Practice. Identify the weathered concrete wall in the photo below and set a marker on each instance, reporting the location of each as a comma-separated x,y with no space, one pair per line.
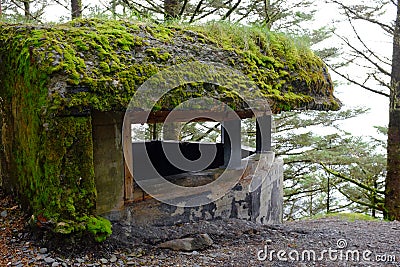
264,205
108,160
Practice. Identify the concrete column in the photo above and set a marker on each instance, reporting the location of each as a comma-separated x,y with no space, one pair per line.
230,136
263,133
108,160
171,130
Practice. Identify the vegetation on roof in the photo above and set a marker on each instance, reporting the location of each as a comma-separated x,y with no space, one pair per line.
113,58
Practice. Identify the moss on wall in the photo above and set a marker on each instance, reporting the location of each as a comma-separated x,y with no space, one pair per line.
49,159
52,76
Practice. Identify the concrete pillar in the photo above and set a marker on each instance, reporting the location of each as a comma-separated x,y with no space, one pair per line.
171,130
263,133
230,136
108,160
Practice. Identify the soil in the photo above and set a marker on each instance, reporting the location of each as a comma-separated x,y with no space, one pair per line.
335,242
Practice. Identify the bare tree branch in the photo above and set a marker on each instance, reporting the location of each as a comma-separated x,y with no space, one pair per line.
28,14
366,47
230,11
208,132
377,207
183,8
363,55
156,8
356,15
212,11
196,11
359,84
303,192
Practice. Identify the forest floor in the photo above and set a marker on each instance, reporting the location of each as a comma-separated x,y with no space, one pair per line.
327,241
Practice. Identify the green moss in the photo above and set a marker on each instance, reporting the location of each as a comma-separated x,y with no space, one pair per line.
161,32
50,156
99,227
275,61
157,54
99,54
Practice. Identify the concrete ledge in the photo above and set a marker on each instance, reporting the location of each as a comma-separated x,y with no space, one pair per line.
263,205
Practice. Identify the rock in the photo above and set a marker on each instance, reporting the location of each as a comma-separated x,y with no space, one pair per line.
39,257
55,264
49,260
268,241
113,259
104,261
43,250
199,242
4,214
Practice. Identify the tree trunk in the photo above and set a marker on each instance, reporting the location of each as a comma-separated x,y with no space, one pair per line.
76,9
114,8
171,9
27,12
392,200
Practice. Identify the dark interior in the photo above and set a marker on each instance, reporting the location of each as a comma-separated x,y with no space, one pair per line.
158,160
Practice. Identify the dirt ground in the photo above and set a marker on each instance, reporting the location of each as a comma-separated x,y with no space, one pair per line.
322,242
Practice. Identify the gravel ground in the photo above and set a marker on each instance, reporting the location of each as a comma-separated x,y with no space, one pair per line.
335,242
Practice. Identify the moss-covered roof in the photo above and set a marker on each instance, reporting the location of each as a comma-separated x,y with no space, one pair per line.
99,64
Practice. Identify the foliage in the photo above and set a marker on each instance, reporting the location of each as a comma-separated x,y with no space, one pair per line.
309,186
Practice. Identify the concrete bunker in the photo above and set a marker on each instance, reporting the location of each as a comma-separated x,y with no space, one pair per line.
65,90
263,204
